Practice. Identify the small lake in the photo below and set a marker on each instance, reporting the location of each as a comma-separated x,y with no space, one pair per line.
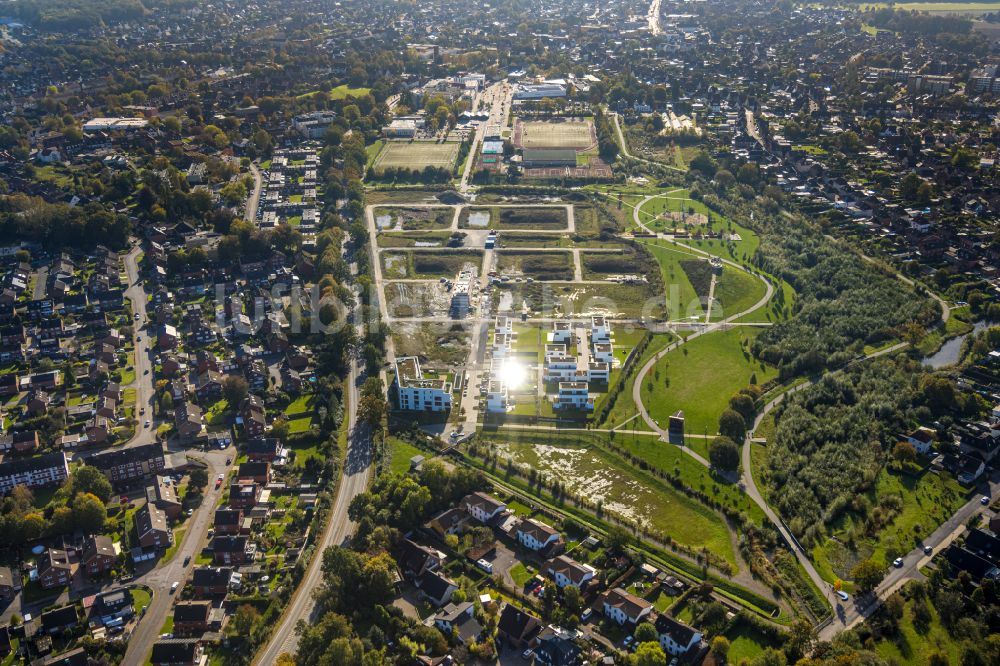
950,350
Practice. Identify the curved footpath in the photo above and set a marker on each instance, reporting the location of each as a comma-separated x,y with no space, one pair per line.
843,617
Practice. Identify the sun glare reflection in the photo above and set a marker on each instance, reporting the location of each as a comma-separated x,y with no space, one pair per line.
513,374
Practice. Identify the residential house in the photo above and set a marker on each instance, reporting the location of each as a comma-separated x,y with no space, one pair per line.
458,620
556,648
567,572
516,627
259,472
252,416
536,535
10,584
162,494
99,555
191,618
921,439
151,528
54,569
414,560
59,620
263,450
676,638
177,652
622,607
436,588
228,521
227,549
244,495
483,507
211,581
450,521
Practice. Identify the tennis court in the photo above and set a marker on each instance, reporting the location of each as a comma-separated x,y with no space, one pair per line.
417,155
575,134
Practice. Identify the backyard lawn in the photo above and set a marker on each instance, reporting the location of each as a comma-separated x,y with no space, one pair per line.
400,452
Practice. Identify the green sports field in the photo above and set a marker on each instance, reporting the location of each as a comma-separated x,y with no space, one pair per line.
416,155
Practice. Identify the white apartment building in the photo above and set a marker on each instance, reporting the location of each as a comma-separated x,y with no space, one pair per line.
561,333
504,326
417,394
574,395
604,352
600,330
497,399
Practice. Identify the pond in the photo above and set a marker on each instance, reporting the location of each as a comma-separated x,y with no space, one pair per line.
950,350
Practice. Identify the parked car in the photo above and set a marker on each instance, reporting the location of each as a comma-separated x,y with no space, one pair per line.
585,615
485,565
843,595
985,500
187,560
928,550
898,563
174,586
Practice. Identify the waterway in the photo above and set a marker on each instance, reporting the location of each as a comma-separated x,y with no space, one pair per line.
952,349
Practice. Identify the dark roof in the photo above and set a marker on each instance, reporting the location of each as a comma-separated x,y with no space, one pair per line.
963,560
59,618
115,599
174,651
253,469
680,632
77,657
229,544
434,585
227,517
124,456
211,576
547,154
268,446
517,624
17,465
556,650
984,544
192,611
413,556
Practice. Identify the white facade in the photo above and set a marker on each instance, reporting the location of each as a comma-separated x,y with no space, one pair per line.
599,372
604,352
560,369
600,330
561,333
414,393
497,398
502,345
504,326
483,507
534,535
574,395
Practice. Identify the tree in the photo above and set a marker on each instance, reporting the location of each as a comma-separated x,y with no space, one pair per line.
646,633
724,454
867,574
720,648
904,452
649,654
198,478
732,425
89,513
744,405
244,620
89,479
234,390
617,539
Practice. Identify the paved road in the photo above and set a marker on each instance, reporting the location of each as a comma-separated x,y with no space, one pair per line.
499,95
849,614
653,17
41,283
353,482
254,200
160,578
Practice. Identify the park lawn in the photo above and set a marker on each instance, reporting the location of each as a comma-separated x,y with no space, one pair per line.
624,407
736,291
588,470
400,452
703,375
345,91
691,473
912,648
739,251
927,501
778,308
682,300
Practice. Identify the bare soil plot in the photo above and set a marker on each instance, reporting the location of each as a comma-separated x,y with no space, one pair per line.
432,342
429,265
536,265
413,219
